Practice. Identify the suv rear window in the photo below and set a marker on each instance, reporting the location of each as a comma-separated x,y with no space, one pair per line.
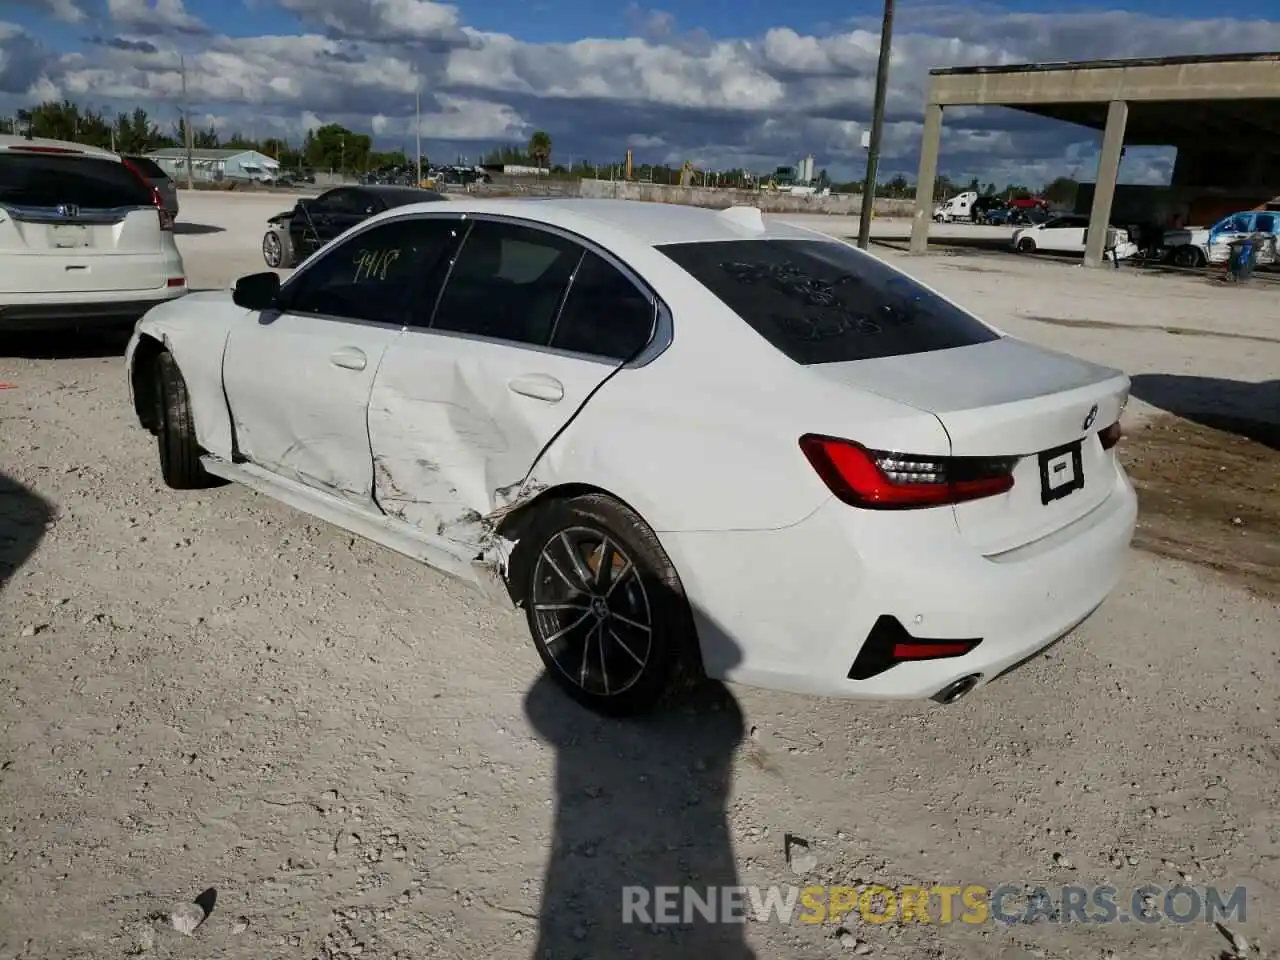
49,180
826,302
149,168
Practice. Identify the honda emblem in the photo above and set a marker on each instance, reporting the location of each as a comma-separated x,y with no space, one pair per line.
1093,415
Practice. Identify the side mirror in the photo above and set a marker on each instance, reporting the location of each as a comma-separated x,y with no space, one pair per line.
257,291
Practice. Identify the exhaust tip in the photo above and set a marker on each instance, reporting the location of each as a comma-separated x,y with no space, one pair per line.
956,689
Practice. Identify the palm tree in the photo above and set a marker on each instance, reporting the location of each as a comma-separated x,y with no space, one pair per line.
540,148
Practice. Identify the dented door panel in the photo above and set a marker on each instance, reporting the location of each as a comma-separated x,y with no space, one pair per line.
456,424
298,390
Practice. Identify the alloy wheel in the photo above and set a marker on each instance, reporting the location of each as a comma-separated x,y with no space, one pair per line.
591,611
271,250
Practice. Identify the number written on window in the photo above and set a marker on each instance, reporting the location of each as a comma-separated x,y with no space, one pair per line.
377,275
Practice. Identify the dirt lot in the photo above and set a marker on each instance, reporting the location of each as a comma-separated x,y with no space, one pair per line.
350,755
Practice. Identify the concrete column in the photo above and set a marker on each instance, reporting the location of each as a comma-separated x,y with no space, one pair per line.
1105,191
930,143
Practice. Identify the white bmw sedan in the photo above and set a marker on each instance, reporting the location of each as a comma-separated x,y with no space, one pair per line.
680,439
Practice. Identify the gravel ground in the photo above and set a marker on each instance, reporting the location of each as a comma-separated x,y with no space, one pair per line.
340,753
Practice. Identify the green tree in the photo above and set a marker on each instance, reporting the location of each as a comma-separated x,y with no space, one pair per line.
1061,192
540,147
334,147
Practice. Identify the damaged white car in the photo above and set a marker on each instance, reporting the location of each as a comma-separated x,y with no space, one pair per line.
675,437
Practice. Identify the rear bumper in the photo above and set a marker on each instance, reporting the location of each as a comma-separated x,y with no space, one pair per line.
52,312
791,609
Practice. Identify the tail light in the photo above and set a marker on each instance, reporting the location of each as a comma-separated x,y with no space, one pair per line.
166,221
889,643
1110,436
878,480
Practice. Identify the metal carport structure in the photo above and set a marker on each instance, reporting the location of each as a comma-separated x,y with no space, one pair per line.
1222,113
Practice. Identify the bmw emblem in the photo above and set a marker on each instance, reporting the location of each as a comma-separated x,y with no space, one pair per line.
1093,415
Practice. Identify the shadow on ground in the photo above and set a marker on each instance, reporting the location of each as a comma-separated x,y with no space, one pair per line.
639,805
67,343
1249,410
24,515
196,229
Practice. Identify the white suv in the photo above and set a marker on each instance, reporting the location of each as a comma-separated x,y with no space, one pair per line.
84,238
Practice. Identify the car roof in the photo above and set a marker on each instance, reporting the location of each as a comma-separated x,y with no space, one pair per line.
652,224
11,142
391,191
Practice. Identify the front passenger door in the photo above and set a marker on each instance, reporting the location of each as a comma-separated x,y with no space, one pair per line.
297,379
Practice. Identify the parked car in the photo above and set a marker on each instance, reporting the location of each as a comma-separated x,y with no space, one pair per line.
880,497
84,237
1066,234
159,180
1197,246
296,234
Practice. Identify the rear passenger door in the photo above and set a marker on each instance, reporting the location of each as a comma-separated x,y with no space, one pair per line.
527,324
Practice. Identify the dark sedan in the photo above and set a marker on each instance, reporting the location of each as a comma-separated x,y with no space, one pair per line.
296,234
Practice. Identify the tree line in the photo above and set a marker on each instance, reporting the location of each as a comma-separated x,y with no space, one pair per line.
334,147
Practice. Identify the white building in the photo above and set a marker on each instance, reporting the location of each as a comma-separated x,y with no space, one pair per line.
231,164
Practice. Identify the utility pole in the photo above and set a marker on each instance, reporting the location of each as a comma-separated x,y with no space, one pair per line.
417,128
186,124
877,128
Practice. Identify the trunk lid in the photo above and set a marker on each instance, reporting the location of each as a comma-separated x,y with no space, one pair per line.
1009,398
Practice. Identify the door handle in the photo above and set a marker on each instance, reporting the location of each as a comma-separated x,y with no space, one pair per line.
349,357
539,386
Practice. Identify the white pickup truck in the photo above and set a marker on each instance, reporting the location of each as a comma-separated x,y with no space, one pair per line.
1197,246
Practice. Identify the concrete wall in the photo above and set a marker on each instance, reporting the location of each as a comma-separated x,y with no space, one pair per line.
716,199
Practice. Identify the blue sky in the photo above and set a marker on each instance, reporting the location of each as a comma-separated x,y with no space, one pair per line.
749,83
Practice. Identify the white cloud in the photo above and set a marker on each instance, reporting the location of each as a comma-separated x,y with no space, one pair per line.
670,96
153,16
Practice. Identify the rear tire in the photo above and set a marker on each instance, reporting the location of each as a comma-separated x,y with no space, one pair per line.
176,436
605,607
1188,257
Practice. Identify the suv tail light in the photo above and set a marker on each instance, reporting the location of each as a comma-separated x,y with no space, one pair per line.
166,221
879,480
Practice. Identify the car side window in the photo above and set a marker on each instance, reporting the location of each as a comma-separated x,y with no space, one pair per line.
605,314
1265,223
344,201
507,283
376,275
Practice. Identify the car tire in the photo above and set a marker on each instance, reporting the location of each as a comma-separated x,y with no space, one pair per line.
180,453
1026,245
1188,257
618,644
277,249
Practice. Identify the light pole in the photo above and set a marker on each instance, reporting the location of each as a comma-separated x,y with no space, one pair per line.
877,128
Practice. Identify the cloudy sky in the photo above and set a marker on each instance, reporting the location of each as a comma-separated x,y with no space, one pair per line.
720,83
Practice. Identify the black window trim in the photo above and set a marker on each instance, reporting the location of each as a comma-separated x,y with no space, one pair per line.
660,338
661,334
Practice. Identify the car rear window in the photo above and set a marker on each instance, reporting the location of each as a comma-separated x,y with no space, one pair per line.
50,180
149,168
826,302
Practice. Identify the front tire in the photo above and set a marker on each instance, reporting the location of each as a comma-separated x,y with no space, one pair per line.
604,605
1026,245
176,436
